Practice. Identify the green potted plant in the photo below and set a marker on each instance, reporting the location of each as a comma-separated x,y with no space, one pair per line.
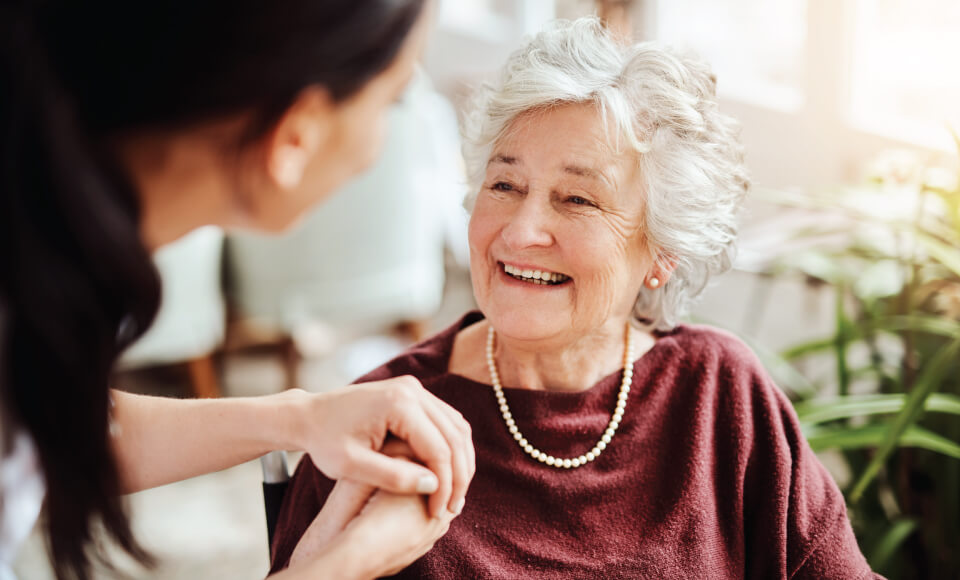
889,250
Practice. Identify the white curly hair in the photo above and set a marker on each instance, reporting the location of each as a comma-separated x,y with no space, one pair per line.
663,105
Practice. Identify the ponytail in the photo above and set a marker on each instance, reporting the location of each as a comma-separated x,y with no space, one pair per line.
73,273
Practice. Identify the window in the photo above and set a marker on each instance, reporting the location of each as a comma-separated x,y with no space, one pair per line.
756,47
501,20
905,73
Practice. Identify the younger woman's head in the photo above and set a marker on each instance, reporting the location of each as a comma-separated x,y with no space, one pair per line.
113,115
247,116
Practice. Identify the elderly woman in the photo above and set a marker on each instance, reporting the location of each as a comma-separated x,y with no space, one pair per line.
611,442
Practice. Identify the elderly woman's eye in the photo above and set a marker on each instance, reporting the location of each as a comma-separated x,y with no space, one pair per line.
577,200
502,186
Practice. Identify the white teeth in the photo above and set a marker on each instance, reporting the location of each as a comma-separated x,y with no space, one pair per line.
536,276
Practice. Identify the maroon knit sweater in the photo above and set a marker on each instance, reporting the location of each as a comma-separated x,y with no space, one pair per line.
708,476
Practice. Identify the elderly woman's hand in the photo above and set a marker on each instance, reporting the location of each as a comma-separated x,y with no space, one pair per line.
388,531
343,432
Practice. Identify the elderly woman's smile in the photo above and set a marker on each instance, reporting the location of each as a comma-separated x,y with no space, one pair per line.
534,276
556,235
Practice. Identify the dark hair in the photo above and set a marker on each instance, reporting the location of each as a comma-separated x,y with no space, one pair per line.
76,283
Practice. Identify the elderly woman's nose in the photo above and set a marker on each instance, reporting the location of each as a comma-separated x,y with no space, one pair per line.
529,225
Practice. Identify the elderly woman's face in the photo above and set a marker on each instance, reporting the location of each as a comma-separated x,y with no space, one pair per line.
557,249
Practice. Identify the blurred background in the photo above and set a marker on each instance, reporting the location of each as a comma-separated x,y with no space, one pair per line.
847,284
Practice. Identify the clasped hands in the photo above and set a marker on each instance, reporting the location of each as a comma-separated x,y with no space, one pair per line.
387,443
396,529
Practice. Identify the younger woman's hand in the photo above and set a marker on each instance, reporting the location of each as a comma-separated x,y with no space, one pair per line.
344,430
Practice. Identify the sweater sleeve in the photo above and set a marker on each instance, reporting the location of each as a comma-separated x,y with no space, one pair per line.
834,554
795,517
820,540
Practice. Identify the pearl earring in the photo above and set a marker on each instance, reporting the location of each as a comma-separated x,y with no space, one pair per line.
654,283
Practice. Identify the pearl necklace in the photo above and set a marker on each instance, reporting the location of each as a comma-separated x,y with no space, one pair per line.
540,456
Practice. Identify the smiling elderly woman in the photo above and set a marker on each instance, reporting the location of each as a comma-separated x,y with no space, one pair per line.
611,442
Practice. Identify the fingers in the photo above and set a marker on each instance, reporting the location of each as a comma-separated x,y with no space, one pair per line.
437,529
430,446
400,528
397,475
437,434
440,437
457,433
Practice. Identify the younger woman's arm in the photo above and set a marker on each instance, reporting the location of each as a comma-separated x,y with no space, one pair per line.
160,440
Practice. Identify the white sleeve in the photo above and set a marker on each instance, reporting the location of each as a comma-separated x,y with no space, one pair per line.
22,490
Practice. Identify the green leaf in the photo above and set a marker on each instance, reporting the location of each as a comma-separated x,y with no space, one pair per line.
890,542
807,348
842,340
941,252
879,280
823,410
928,382
913,322
870,436
919,323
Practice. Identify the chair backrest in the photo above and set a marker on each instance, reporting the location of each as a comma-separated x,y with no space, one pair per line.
276,477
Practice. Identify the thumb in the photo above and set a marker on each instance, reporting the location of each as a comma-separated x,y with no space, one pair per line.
393,474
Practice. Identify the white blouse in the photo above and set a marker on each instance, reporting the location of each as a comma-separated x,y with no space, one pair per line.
22,490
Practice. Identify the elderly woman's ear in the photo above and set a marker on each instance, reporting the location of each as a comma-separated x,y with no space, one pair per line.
660,272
